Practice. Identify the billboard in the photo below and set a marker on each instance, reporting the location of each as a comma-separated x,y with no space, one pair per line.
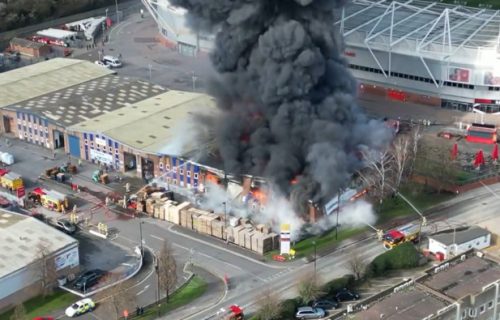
285,238
491,78
456,74
67,259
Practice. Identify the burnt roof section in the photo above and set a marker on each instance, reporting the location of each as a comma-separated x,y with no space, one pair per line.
460,236
88,100
411,304
464,278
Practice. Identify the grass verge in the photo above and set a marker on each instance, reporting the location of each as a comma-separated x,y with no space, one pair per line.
40,306
421,196
194,289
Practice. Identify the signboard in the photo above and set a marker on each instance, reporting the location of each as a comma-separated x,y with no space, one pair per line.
101,156
491,78
456,74
67,259
101,142
285,238
21,192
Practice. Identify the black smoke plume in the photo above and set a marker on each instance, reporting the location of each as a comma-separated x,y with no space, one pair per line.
286,95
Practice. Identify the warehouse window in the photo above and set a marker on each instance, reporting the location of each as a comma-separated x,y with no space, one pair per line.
188,174
490,304
181,171
167,167
482,309
116,145
196,175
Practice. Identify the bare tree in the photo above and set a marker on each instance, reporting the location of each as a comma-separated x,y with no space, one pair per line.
19,313
47,269
269,306
378,173
120,298
357,265
309,289
402,152
167,269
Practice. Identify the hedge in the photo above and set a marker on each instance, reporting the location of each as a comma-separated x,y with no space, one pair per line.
332,287
404,256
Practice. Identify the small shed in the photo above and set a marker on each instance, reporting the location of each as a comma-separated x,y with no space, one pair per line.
456,241
29,48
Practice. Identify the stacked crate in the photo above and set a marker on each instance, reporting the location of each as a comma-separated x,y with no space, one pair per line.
236,234
150,206
218,229
263,243
175,212
249,233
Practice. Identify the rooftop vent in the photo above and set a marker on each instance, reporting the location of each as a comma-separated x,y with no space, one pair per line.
166,117
144,111
152,137
121,114
166,127
139,141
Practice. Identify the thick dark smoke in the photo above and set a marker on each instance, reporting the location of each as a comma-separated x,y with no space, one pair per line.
287,97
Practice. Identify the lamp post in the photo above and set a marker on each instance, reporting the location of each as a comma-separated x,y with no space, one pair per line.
140,231
194,78
157,268
314,244
338,211
117,15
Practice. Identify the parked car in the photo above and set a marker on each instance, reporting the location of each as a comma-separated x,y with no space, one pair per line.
65,226
80,307
111,61
325,304
88,279
309,313
102,64
346,295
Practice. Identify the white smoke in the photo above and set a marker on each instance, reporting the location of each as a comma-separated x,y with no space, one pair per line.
352,214
184,134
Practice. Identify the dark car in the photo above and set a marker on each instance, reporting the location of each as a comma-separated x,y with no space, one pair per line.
325,304
88,279
346,295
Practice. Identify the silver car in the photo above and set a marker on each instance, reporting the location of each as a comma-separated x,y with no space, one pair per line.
309,313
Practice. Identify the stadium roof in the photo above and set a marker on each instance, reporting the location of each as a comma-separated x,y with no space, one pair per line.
21,239
88,100
149,125
429,24
46,77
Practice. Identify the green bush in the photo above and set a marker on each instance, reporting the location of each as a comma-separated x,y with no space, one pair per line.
404,256
289,307
335,285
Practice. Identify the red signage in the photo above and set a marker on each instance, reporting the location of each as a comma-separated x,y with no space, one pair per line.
350,53
21,192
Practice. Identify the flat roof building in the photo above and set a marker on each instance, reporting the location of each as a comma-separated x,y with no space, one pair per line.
24,241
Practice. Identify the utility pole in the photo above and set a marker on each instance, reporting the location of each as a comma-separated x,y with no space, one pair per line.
117,15
194,80
142,248
338,211
157,267
315,258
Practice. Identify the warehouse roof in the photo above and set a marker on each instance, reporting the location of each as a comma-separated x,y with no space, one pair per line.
150,124
460,236
464,278
422,23
405,305
21,239
45,77
88,100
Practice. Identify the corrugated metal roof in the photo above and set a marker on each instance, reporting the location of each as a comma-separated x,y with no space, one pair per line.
149,125
20,240
46,77
460,236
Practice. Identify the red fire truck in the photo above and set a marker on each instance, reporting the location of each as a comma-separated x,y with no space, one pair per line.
482,133
49,41
233,313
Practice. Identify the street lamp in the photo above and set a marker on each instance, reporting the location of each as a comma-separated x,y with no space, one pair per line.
142,248
194,78
338,211
117,15
157,268
314,244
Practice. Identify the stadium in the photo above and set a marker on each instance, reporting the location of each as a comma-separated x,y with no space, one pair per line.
411,51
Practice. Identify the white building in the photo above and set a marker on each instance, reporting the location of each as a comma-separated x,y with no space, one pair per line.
23,239
457,241
424,52
174,30
417,51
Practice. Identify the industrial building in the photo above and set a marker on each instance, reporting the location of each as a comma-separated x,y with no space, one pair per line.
456,241
410,51
26,242
465,287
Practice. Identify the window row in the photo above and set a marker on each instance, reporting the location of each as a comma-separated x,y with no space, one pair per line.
410,77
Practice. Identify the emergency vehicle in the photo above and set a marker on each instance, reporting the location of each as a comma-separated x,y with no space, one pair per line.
11,180
233,313
50,199
395,237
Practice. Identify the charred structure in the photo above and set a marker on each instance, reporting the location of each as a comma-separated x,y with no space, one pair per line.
287,98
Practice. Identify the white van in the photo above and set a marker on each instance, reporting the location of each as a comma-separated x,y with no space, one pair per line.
112,61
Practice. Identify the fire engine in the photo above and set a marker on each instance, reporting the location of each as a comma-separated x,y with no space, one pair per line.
49,41
234,313
395,237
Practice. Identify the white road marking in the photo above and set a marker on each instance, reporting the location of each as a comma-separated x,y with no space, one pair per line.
490,190
143,290
156,237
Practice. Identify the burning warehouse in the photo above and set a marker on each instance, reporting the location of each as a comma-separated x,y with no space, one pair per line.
286,98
